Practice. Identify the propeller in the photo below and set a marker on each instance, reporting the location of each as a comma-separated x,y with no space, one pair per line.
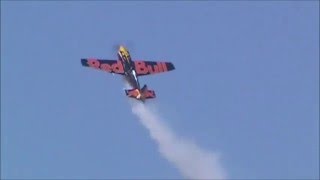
115,47
127,44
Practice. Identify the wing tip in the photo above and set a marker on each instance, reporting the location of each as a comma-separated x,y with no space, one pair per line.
171,66
84,62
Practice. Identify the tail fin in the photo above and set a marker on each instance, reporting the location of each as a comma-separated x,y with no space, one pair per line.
144,88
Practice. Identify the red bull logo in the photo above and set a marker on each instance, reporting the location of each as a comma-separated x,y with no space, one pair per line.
143,68
109,67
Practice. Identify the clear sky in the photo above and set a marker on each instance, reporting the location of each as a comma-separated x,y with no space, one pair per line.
246,86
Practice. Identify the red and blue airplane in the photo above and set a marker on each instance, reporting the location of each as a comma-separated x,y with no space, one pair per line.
131,70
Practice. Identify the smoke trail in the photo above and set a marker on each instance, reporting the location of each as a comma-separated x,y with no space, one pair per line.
192,161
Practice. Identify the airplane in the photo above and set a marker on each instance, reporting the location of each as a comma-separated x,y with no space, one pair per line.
131,70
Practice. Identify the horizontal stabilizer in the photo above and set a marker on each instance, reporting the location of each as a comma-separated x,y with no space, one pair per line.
143,94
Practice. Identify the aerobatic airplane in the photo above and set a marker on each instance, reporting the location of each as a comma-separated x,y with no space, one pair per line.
131,70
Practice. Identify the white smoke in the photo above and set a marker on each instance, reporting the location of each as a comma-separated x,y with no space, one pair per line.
192,161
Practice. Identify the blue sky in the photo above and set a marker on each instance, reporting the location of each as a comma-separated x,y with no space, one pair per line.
246,85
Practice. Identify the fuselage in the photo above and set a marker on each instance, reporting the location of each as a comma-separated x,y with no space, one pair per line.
129,68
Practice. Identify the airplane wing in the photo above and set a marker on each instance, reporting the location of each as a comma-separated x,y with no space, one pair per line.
111,66
152,67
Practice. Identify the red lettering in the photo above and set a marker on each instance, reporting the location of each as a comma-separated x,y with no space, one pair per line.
160,66
164,65
93,63
117,67
106,67
141,67
155,67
